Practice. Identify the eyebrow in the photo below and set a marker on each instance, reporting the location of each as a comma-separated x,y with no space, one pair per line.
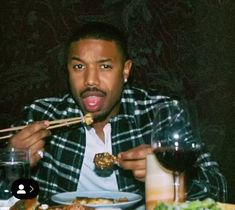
99,61
76,58
104,60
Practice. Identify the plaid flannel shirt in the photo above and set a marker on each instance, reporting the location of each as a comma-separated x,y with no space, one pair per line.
60,168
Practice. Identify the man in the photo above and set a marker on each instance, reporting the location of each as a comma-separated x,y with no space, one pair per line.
98,68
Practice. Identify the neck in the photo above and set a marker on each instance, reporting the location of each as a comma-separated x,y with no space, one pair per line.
99,125
99,129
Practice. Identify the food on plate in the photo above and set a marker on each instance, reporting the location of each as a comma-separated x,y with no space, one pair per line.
33,204
105,160
88,119
207,204
86,200
73,206
28,204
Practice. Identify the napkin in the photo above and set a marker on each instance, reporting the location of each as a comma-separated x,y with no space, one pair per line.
6,204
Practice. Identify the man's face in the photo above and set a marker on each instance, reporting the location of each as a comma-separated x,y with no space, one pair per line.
96,74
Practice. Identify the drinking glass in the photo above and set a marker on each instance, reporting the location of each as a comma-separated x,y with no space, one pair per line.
174,143
14,164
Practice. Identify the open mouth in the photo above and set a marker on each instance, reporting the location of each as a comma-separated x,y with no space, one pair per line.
93,99
93,103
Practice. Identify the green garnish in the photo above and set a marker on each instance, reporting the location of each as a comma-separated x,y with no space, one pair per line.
207,204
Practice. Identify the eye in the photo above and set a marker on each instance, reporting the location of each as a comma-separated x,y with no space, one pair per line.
106,66
79,66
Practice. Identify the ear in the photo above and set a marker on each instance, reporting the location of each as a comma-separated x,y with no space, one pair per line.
127,69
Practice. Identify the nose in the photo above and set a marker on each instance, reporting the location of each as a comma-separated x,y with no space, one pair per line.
92,77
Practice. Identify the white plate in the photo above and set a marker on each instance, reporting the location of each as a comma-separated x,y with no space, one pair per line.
68,197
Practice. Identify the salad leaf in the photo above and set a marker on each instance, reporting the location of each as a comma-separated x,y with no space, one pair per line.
207,204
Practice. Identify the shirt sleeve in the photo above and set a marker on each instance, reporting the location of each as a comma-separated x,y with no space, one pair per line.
207,181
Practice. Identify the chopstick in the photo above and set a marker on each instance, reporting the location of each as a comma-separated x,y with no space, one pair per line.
52,124
6,137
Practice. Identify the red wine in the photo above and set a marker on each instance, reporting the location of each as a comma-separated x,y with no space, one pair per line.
176,160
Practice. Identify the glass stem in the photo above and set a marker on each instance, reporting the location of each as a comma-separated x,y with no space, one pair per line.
176,179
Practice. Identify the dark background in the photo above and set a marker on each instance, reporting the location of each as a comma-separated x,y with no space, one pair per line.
182,47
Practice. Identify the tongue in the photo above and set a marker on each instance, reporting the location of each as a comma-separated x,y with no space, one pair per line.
93,103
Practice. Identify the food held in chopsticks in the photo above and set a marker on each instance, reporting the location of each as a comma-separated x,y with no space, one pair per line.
87,119
105,160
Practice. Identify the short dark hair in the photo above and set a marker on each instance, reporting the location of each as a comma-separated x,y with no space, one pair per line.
103,31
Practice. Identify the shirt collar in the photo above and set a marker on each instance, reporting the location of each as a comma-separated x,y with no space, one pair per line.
127,104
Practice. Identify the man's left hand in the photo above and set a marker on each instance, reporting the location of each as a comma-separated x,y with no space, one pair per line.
135,160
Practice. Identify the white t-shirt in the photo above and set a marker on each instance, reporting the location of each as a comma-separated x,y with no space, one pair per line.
90,180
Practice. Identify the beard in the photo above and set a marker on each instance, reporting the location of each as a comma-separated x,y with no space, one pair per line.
100,117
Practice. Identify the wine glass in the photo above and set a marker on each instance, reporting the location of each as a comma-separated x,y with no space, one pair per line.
173,141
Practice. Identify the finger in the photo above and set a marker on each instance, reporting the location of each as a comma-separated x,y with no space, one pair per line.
133,164
34,159
142,146
19,142
31,128
35,155
38,136
39,145
139,174
136,153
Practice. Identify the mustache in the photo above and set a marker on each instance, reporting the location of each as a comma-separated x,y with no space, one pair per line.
89,90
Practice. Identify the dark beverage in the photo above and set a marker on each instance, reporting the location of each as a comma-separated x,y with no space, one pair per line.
9,172
176,160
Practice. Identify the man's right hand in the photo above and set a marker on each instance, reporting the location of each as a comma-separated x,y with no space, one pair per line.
32,138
